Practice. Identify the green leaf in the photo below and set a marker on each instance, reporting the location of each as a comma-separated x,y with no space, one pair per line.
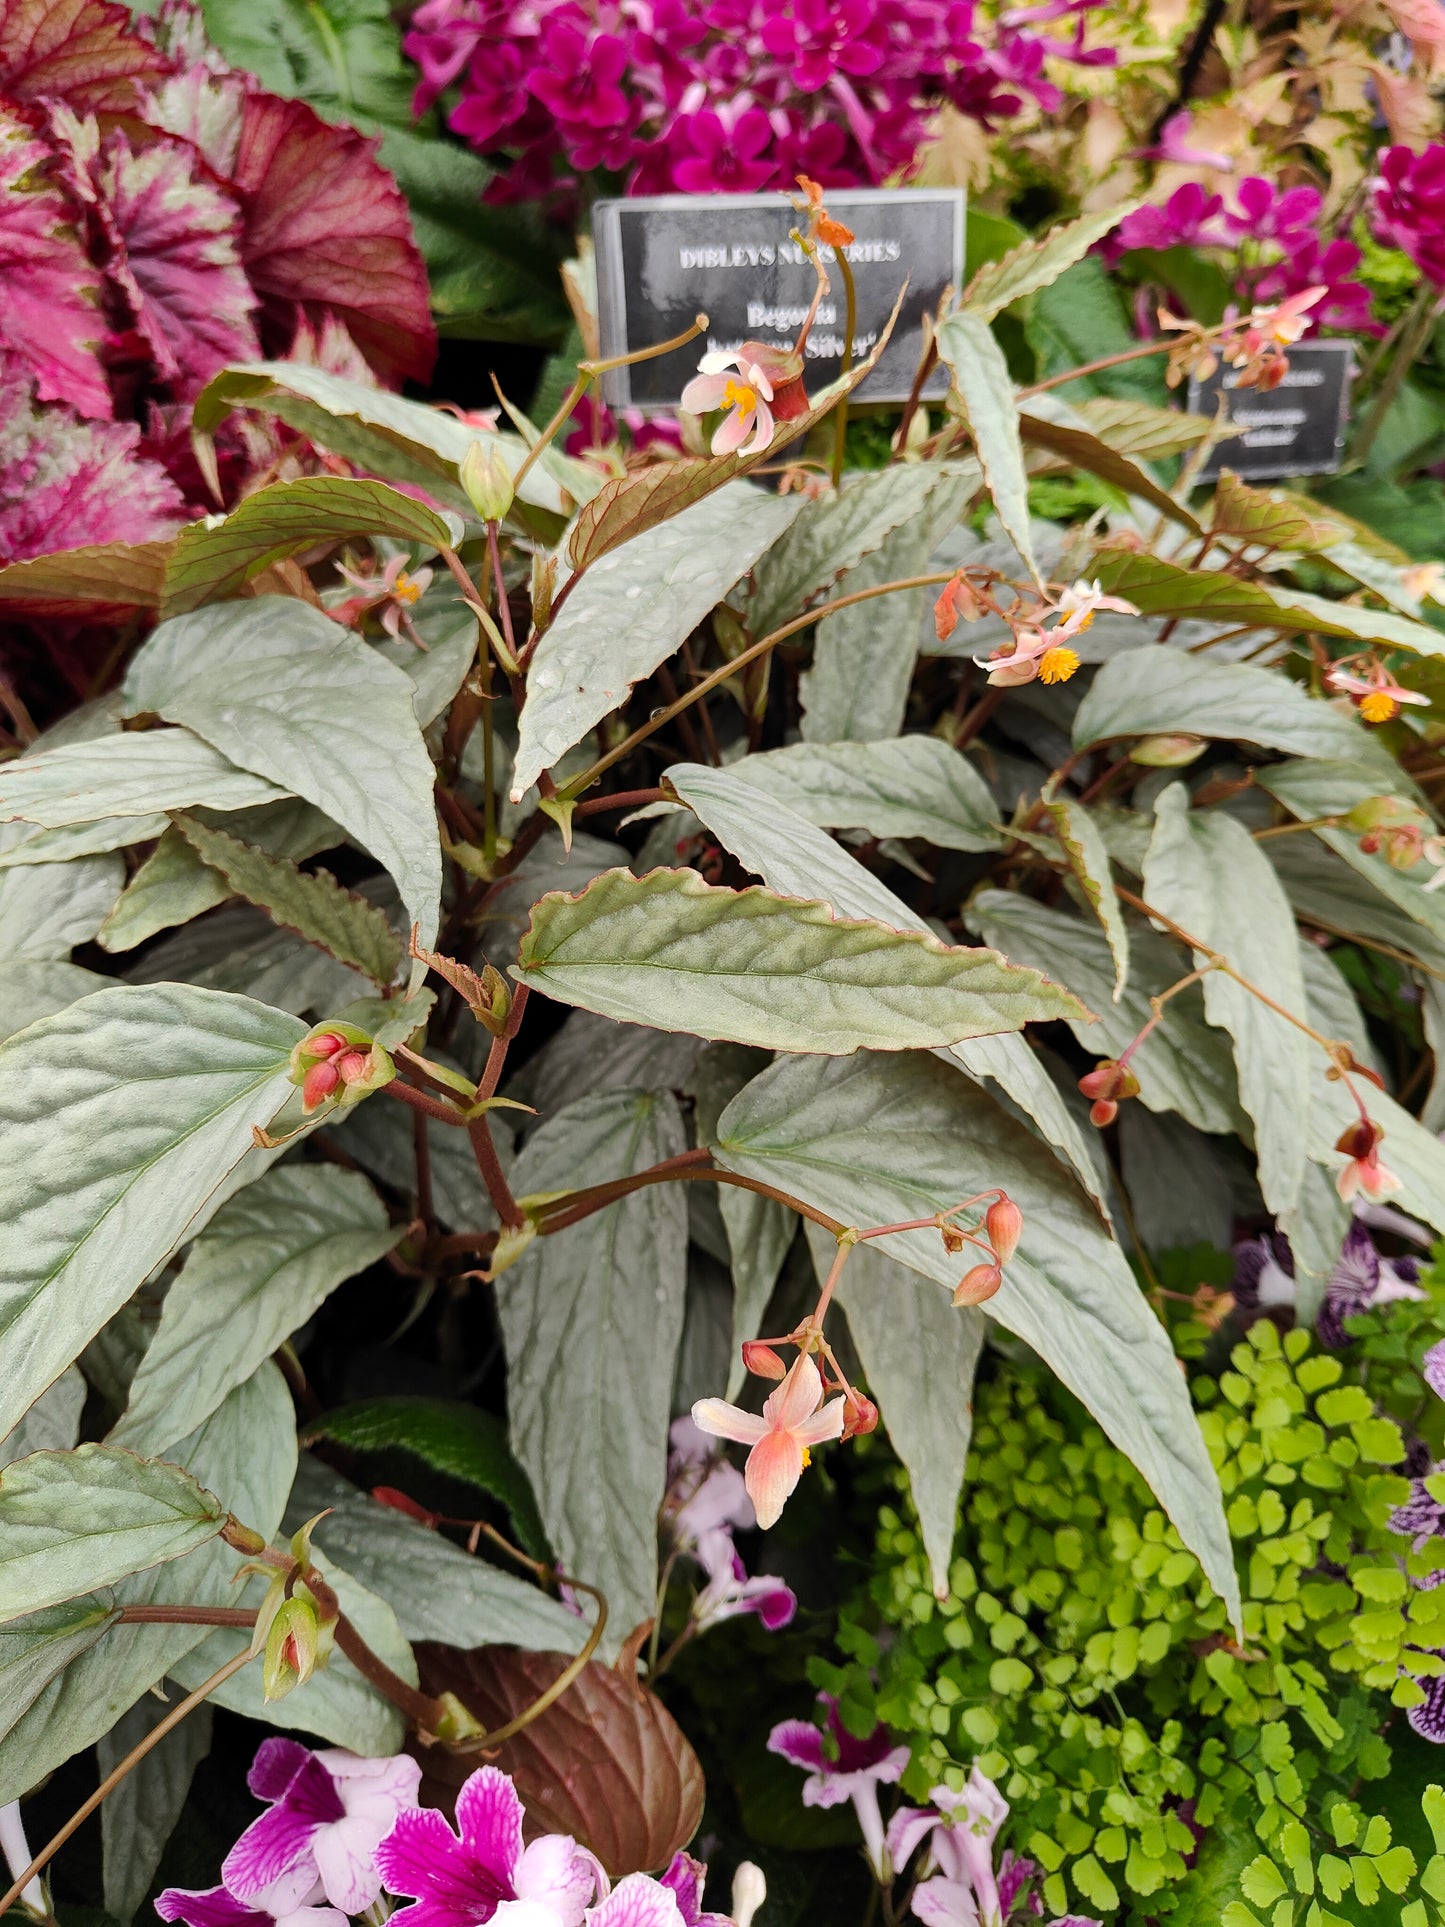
592,1318
214,559
436,1590
1035,264
460,1441
1263,1882
140,1815
1080,449
875,1140
379,431
281,689
1206,871
1154,691
312,903
48,908
919,1357
1162,588
1310,786
34,1651
1088,857
53,1422
1399,887
967,348
72,1521
1184,1065
1139,429
797,859
630,612
1327,892
122,1114
90,584
1080,318
1269,516
863,657
264,1264
1415,1155
669,950
136,774
343,57
246,1455
831,535
911,786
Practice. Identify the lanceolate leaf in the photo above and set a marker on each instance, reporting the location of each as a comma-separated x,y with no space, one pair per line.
139,1816
312,903
592,1318
35,1650
212,560
48,908
756,968
1139,429
980,374
876,1140
264,1264
1206,871
1082,450
53,1422
1145,692
1185,1064
911,786
632,610
35,989
795,857
919,1355
246,1455
459,1441
1088,858
121,1115
282,690
1034,264
97,584
72,1521
1270,517
136,774
170,887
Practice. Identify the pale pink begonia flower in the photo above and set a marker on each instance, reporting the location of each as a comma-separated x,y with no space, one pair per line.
392,594
728,381
793,1419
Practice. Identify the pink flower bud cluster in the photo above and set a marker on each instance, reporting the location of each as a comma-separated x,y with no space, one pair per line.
710,96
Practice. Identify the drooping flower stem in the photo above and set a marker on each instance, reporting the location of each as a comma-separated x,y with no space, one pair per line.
119,1772
850,312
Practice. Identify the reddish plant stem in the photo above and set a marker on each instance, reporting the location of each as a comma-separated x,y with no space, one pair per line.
425,1713
239,1616
421,1147
620,800
422,1101
572,1210
493,1176
497,1055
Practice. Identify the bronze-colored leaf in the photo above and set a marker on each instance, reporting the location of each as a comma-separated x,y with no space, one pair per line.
1096,457
96,584
606,1762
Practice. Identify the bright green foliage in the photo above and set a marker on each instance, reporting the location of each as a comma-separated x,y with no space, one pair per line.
1082,1662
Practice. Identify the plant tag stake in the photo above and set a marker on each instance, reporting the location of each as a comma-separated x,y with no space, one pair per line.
663,259
1295,429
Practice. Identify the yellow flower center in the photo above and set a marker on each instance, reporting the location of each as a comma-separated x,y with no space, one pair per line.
1080,622
1377,707
406,590
738,395
807,1458
1057,665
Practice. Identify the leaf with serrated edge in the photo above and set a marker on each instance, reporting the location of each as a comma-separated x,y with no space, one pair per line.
967,348
1035,264
1139,429
628,505
135,774
1184,1065
264,1264
876,1140
312,903
1206,871
122,1114
436,1590
1088,858
284,691
592,1318
140,1814
832,535
1269,516
246,1455
632,610
213,560
48,908
1080,449
72,1521
453,1438
1154,691
919,1354
783,973
911,786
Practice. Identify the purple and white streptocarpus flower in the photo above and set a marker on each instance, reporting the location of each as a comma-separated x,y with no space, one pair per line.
217,1907
482,1872
1264,1280
684,1881
329,1811
961,1888
706,1502
841,1768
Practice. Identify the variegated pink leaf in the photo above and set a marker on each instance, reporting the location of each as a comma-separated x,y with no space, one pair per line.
49,319
85,52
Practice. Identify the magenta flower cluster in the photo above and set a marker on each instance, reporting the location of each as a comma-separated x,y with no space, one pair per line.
707,96
1410,206
1274,240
